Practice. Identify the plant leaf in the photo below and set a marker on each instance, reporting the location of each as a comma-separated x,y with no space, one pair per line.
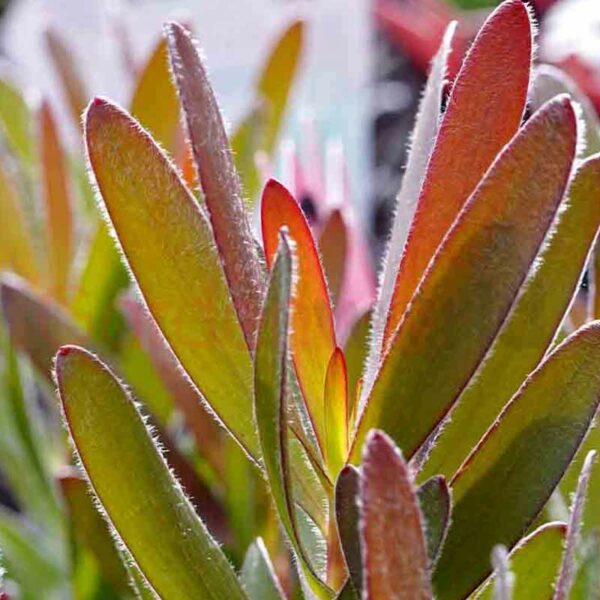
313,335
395,562
426,127
258,576
36,326
271,397
155,103
277,77
168,245
68,73
443,339
566,575
434,500
484,112
16,122
509,476
531,326
57,204
534,563
16,243
92,530
333,246
144,503
336,413
219,180
347,519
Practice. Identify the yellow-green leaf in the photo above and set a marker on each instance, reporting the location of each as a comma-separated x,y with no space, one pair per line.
168,244
132,482
534,563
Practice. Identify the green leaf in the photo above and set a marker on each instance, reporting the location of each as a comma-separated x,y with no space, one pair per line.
479,269
271,398
531,325
258,576
15,117
168,244
132,482
92,530
568,567
219,180
434,500
534,563
505,482
392,536
347,519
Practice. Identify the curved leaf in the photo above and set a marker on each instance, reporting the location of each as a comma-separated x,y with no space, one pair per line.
531,325
479,269
336,413
435,502
219,180
169,247
509,476
57,204
313,335
131,479
258,576
484,111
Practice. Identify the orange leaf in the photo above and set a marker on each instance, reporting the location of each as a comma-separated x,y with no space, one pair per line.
313,335
484,111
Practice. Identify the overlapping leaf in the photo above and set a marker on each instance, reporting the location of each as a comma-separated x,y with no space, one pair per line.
510,475
169,247
484,111
479,269
219,180
313,335
129,476
531,326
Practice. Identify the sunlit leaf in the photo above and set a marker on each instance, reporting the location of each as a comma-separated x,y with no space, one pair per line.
131,479
509,476
479,269
392,534
16,122
169,247
483,113
333,246
16,243
531,325
534,563
336,412
313,335
426,127
219,180
57,204
154,103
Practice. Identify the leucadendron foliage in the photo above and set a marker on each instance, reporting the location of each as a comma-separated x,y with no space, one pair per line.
238,426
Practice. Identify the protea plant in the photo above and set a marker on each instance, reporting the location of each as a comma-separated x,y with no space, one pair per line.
441,467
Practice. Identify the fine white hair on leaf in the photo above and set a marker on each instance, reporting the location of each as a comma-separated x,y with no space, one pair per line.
422,140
